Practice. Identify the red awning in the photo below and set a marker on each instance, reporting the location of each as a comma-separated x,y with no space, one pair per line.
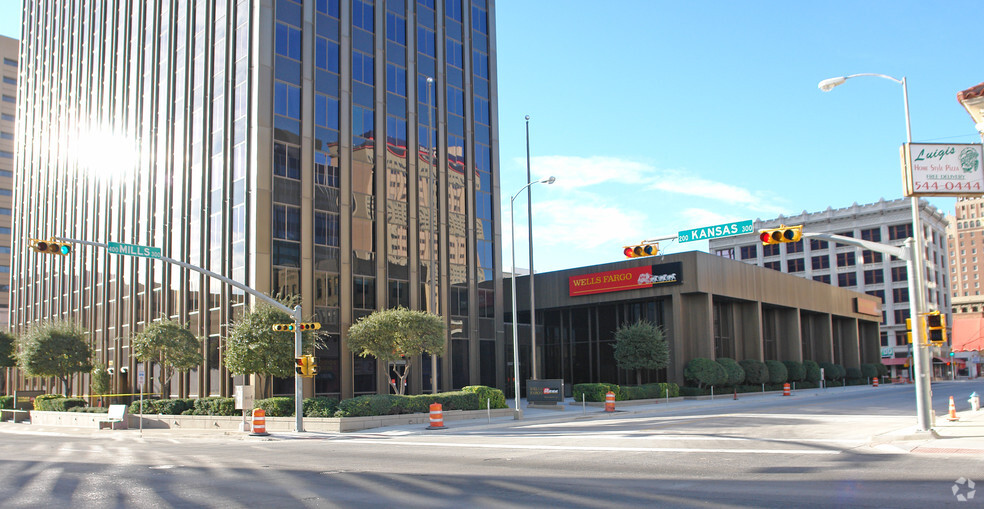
968,335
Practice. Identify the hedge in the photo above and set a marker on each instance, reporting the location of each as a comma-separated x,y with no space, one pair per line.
214,406
595,392
89,409
391,404
854,374
491,396
176,406
277,406
869,371
6,402
320,406
57,403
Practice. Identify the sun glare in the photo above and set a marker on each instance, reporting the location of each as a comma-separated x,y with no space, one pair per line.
104,154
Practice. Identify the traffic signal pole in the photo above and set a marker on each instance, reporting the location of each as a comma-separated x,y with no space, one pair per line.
920,348
296,313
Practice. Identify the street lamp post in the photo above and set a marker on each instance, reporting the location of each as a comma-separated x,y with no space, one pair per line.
917,283
515,321
529,217
431,228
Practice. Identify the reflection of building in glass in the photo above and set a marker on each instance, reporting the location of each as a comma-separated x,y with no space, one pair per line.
279,143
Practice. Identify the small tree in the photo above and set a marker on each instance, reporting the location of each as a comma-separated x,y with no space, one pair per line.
795,370
812,371
640,346
253,347
55,349
7,357
99,381
736,375
172,346
397,335
705,372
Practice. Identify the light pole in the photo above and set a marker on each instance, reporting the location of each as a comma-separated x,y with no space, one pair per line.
917,283
515,318
529,217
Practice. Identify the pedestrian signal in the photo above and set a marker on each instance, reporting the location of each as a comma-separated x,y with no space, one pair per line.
936,325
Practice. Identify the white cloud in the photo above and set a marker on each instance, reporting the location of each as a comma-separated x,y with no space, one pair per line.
585,225
701,217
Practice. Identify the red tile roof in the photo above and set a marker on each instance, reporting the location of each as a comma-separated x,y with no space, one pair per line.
971,93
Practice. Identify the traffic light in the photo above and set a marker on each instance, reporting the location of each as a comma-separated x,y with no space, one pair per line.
908,329
283,327
51,246
936,325
782,234
311,326
300,365
641,250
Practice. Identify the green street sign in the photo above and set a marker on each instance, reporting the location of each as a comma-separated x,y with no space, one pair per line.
713,232
133,250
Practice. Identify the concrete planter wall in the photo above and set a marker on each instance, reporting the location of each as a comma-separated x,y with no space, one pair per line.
273,424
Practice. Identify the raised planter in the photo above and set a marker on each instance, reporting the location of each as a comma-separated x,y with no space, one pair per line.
273,424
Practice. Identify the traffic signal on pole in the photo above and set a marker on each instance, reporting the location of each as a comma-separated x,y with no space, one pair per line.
300,365
283,327
312,365
908,329
936,325
640,250
782,234
311,326
51,246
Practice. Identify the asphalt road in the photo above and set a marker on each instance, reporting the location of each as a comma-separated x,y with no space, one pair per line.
811,450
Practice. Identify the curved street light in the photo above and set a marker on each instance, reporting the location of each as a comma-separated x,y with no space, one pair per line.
917,284
515,321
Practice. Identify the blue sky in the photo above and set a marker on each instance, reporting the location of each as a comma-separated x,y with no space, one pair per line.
661,116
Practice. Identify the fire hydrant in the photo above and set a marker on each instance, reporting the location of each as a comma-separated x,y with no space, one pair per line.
975,401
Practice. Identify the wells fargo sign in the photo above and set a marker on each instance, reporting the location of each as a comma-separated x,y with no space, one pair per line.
629,278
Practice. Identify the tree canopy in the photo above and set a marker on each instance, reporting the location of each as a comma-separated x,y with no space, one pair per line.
253,347
395,335
172,346
55,349
7,359
641,345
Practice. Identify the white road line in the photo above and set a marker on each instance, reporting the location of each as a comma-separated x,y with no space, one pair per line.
586,448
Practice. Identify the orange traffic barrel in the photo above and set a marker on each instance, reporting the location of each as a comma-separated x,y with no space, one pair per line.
785,389
436,416
876,381
259,423
610,401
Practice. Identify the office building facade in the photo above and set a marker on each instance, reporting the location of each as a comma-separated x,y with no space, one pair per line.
887,222
8,115
296,147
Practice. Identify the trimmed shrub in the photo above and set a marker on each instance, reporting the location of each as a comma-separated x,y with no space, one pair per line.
176,406
882,369
280,406
755,371
736,375
649,391
58,403
777,372
795,372
812,371
853,374
833,371
594,392
456,400
694,391
215,406
6,402
320,406
868,371
496,398
705,372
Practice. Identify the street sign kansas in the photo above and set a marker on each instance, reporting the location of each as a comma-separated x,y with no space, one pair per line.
133,250
713,232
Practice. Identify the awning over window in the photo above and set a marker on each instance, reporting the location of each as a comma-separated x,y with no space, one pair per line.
967,335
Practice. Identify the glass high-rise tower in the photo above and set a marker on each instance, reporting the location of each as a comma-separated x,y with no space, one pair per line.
295,146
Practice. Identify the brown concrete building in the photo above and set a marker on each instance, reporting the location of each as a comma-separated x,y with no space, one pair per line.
8,109
709,306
